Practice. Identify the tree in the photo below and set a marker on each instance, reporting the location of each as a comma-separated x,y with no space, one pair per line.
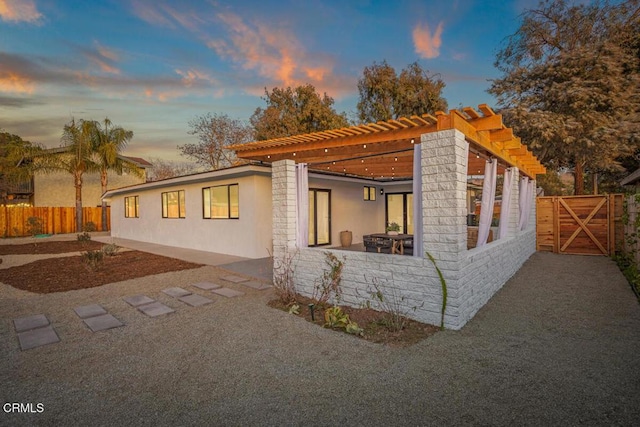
165,169
570,84
215,132
15,168
294,111
74,157
107,141
385,95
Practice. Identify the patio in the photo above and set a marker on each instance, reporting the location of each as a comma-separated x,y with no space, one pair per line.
434,156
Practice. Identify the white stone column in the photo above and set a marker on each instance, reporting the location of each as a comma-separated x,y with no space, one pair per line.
444,194
283,189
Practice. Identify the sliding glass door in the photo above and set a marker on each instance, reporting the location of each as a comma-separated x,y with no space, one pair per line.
319,217
400,211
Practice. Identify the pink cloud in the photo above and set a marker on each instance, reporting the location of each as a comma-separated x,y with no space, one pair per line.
16,83
275,54
104,58
191,77
19,11
427,45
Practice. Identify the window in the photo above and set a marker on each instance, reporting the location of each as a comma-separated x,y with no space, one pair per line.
319,217
221,202
370,193
131,207
400,210
173,205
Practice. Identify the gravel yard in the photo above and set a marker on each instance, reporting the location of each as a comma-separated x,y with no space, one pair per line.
559,344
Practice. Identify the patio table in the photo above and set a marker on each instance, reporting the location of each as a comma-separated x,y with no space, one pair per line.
397,246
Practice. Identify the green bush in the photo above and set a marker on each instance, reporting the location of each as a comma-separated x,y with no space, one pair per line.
110,250
34,226
93,259
84,237
89,227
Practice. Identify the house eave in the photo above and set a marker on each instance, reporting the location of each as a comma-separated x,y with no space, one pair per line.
233,172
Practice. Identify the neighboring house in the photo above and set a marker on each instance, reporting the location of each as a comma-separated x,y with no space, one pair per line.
55,189
412,171
632,180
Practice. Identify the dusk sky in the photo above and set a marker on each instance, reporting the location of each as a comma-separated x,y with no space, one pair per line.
151,66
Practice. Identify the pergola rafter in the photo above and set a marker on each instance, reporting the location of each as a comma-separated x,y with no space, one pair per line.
384,150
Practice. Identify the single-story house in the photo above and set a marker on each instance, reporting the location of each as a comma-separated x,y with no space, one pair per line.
298,193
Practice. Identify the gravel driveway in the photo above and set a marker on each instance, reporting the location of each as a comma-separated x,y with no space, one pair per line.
558,345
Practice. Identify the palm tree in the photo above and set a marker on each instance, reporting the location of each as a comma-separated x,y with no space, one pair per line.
74,157
107,143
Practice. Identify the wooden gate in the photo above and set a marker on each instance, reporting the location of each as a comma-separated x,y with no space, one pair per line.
586,225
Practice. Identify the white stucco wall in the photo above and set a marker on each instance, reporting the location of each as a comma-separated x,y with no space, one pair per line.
56,189
249,236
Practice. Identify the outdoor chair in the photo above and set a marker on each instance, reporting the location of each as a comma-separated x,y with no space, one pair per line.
377,244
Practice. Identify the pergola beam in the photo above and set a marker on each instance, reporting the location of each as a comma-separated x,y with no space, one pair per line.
377,143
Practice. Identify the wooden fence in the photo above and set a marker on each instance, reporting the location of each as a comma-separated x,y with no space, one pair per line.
587,225
58,220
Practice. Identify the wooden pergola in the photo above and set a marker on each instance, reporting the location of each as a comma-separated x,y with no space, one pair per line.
383,151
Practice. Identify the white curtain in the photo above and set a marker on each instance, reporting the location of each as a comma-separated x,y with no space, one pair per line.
488,198
505,208
526,194
302,207
418,250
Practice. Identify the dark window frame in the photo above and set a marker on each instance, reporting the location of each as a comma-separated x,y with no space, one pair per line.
370,191
315,215
229,214
405,213
182,209
136,207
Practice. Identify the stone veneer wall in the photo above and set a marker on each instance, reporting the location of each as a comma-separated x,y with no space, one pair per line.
472,276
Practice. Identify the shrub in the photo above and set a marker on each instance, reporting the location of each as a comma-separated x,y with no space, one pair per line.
34,226
84,237
330,282
93,259
110,250
334,317
283,278
89,227
388,300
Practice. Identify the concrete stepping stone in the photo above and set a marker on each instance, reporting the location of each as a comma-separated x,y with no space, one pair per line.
226,292
102,322
138,300
256,285
234,279
87,311
207,286
155,309
195,300
176,292
37,337
30,322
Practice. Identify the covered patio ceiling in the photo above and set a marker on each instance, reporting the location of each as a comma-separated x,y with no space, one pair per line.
383,151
